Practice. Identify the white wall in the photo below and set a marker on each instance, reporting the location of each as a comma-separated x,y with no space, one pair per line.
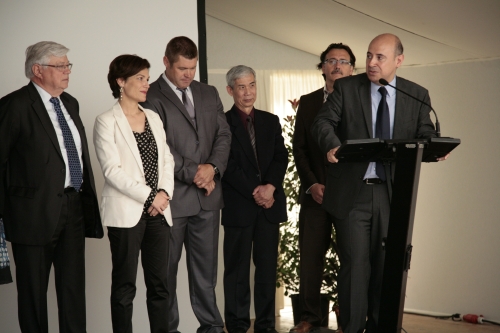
228,46
455,265
95,32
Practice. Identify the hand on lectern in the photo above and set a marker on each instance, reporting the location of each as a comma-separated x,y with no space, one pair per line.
444,158
330,156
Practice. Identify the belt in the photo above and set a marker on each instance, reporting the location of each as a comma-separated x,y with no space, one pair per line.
373,181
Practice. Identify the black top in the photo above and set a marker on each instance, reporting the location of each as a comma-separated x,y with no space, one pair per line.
149,156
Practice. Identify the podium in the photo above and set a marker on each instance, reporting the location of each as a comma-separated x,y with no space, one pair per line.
407,156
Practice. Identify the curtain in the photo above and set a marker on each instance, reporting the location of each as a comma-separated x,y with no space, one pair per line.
276,87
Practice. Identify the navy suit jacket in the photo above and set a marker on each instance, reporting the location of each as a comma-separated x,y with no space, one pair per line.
242,173
309,159
32,169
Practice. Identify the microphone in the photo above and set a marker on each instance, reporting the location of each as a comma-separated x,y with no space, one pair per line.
438,126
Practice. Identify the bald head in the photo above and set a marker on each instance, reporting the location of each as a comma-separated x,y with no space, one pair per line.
384,57
390,39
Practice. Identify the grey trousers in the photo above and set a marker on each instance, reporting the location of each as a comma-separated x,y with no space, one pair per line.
200,236
359,241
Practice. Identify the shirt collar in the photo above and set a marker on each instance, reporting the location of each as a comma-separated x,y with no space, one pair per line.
391,92
43,93
243,115
173,86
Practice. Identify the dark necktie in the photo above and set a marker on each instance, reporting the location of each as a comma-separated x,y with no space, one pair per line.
189,106
251,133
75,169
382,127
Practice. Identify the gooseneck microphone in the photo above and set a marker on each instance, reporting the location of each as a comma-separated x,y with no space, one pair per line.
438,127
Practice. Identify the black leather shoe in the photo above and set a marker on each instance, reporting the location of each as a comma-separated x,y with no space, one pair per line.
238,330
267,330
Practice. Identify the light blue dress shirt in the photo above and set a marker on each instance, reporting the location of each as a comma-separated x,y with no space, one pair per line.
371,172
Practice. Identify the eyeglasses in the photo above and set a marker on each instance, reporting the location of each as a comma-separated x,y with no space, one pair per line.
333,62
60,68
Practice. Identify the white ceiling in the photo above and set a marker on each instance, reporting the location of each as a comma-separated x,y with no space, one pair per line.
432,31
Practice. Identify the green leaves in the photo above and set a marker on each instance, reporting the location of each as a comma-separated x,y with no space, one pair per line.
288,270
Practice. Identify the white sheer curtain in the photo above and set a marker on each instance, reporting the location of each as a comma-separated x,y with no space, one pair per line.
276,87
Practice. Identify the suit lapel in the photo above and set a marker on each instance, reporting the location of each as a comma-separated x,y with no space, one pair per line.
197,101
79,126
366,104
43,115
261,133
241,135
400,113
127,133
172,97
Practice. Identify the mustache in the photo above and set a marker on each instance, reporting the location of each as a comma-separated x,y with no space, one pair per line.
336,71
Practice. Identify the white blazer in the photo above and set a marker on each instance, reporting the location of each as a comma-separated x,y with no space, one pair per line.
125,190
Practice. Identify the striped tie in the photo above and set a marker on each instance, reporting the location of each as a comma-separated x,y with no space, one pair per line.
251,132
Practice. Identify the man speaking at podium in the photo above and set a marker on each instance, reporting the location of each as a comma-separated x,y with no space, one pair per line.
356,194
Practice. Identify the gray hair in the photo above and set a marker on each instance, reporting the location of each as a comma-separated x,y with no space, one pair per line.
40,53
236,72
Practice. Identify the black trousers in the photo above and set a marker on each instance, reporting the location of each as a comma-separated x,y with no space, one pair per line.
66,252
150,237
315,233
361,254
260,241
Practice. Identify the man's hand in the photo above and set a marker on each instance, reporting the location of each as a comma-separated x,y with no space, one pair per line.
268,204
444,158
263,195
204,175
317,191
210,187
160,203
330,156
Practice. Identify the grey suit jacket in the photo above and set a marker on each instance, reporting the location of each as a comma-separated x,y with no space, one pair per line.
208,142
348,111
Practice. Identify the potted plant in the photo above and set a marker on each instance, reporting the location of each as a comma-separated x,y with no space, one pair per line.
289,256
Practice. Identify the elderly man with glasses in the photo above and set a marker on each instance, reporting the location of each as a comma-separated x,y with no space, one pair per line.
48,200
315,225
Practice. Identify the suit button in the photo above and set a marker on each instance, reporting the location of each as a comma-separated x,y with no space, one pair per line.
257,175
63,170
59,195
197,142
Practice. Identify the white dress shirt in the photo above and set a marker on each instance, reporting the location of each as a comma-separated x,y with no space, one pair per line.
74,131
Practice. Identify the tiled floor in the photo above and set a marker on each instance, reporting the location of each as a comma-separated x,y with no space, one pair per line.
411,324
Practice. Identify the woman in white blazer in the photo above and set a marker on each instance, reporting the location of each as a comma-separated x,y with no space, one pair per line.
138,171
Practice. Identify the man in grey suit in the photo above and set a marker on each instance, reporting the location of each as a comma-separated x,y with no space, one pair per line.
199,139
356,194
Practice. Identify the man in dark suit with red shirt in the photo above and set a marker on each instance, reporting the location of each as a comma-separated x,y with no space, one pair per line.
315,225
255,204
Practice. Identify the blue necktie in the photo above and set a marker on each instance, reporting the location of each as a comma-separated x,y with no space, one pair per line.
382,127
75,169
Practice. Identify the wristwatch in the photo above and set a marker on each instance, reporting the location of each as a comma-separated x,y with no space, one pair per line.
216,169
